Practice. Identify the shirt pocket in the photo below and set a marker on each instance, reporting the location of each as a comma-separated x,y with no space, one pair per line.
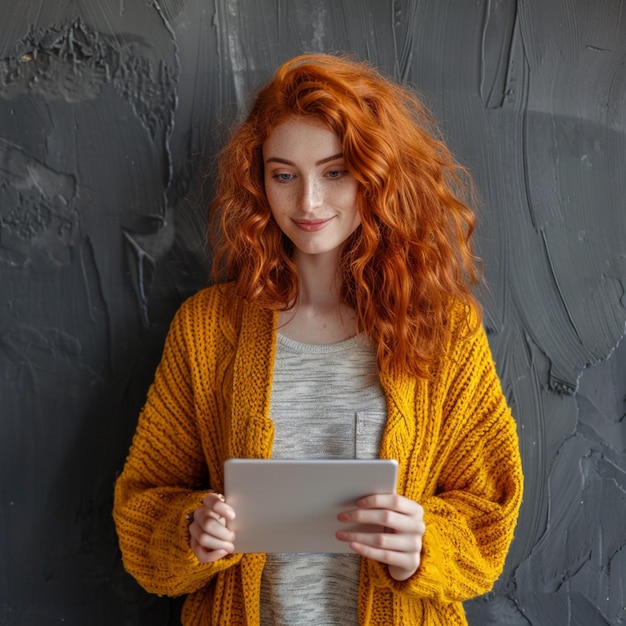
369,426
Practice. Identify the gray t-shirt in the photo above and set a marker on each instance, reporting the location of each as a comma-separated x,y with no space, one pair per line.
326,402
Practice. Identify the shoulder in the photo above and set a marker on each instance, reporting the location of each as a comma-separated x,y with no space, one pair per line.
464,319
466,346
218,310
207,304
207,299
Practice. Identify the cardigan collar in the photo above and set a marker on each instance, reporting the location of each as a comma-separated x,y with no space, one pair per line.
252,383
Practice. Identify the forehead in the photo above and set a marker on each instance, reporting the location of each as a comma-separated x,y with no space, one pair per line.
299,138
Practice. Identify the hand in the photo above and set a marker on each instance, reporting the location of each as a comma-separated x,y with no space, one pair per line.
399,542
210,539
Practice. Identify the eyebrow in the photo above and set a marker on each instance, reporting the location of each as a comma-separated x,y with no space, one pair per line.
320,162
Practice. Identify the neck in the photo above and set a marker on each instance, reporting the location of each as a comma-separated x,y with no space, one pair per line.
318,316
319,283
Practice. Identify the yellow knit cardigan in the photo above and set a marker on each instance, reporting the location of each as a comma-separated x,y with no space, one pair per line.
453,436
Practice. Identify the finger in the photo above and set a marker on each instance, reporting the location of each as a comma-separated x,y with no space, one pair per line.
205,518
383,542
402,565
208,543
214,528
385,518
205,521
205,555
383,555
212,498
393,502
215,537
215,503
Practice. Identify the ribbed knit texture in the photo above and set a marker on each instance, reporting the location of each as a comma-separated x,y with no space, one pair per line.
453,436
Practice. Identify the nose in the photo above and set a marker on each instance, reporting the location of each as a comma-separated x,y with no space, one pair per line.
310,195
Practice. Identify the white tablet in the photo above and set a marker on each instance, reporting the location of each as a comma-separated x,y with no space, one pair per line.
292,505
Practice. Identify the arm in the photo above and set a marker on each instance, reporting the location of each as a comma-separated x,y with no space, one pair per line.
473,490
159,487
470,521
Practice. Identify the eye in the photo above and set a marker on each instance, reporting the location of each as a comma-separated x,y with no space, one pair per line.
282,177
335,174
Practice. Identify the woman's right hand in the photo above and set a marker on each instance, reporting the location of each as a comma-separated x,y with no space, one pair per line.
210,539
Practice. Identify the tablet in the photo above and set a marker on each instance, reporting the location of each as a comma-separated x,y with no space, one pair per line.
292,505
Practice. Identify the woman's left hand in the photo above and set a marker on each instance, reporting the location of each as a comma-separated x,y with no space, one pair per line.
399,542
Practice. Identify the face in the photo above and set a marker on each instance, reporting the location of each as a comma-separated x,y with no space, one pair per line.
312,196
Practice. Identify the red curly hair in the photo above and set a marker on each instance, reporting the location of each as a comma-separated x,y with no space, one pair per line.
412,254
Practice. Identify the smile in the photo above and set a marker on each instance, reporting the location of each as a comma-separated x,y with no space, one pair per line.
311,226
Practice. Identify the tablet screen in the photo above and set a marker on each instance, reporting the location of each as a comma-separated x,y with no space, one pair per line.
292,505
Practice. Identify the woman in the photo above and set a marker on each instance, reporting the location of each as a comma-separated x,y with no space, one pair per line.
348,329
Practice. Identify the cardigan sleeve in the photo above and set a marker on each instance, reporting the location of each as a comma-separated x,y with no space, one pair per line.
470,520
472,502
163,478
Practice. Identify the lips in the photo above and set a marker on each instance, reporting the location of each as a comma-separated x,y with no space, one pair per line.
311,226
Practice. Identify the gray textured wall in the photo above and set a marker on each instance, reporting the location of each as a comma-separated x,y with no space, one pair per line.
110,112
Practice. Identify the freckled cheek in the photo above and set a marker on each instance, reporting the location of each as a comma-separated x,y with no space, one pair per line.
350,202
280,201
